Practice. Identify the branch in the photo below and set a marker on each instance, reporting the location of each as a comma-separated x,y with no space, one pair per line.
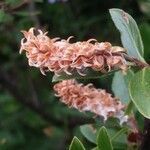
137,62
32,10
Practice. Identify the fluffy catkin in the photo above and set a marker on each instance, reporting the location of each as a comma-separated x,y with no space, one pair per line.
88,98
62,56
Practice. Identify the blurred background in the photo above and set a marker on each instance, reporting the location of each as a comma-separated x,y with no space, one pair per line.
31,117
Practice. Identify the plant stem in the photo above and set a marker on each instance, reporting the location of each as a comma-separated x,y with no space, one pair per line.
137,62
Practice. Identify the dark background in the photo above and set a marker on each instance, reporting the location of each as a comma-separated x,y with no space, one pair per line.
31,117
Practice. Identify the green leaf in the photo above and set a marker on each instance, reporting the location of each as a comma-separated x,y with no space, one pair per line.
118,139
88,132
119,133
120,85
76,144
130,34
139,89
129,108
103,140
113,127
90,74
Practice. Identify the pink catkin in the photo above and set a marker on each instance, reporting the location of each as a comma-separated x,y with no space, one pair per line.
61,56
88,98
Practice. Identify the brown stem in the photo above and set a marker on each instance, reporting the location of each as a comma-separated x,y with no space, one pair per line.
137,62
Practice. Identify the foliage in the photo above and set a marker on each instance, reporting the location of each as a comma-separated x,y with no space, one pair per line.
130,35
76,144
139,91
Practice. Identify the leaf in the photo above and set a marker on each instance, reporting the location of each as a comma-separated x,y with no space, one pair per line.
76,144
129,108
90,74
120,85
130,34
88,132
119,133
103,140
139,90
113,127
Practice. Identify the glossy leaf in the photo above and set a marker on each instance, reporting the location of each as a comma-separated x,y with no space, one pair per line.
139,89
103,140
76,144
130,35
